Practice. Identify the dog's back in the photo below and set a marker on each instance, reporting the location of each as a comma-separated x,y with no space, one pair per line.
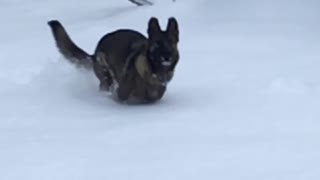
117,47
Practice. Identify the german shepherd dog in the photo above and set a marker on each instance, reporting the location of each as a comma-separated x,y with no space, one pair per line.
136,69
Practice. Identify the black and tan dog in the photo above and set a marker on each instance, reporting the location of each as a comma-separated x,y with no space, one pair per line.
135,68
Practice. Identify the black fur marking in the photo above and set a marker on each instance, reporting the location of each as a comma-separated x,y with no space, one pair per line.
158,54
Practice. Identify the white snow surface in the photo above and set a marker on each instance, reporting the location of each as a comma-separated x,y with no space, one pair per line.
244,102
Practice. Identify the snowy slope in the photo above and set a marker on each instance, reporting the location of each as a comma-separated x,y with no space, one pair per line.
244,103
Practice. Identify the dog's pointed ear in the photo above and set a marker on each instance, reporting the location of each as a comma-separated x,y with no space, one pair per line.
153,27
173,29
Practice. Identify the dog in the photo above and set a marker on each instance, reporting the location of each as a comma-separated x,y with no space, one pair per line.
135,68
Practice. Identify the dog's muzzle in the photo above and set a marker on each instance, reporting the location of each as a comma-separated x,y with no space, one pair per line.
166,62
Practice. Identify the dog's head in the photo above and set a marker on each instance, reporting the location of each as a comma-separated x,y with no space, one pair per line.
162,50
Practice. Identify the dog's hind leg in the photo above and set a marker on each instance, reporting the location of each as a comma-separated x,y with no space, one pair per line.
102,72
104,77
120,87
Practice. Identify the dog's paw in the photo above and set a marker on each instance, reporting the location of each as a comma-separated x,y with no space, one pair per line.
104,87
114,90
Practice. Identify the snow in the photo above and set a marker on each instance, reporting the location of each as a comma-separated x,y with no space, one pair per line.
244,102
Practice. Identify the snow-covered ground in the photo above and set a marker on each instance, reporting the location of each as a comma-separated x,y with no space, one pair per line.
244,103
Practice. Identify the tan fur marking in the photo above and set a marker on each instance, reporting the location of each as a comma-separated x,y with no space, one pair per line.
143,68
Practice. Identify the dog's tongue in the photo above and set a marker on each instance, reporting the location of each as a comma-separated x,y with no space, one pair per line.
166,63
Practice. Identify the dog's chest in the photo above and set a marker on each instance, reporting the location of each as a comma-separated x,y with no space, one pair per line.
145,93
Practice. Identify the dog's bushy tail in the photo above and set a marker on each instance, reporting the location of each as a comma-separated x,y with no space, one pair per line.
68,48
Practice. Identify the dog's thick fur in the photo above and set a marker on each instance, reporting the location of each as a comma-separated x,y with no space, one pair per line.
135,68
